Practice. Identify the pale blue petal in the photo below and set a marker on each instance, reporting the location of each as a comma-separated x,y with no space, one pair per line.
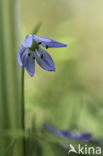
47,42
29,64
27,43
20,53
44,60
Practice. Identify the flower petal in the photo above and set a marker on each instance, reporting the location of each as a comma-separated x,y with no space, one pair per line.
27,43
53,130
85,137
69,134
47,42
20,53
29,64
44,60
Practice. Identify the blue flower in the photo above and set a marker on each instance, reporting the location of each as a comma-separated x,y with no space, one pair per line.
31,51
84,137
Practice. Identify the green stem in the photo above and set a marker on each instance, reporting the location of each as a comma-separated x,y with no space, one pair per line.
23,108
22,94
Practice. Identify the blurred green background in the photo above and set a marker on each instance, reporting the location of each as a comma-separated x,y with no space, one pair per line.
69,98
72,97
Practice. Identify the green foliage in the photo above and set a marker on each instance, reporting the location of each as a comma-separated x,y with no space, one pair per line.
9,150
10,98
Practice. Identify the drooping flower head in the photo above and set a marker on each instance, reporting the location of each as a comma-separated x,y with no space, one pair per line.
31,50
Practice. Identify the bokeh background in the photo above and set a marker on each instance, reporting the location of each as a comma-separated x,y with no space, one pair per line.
71,98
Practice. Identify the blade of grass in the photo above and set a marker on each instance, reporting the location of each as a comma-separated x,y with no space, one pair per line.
36,29
10,91
10,148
